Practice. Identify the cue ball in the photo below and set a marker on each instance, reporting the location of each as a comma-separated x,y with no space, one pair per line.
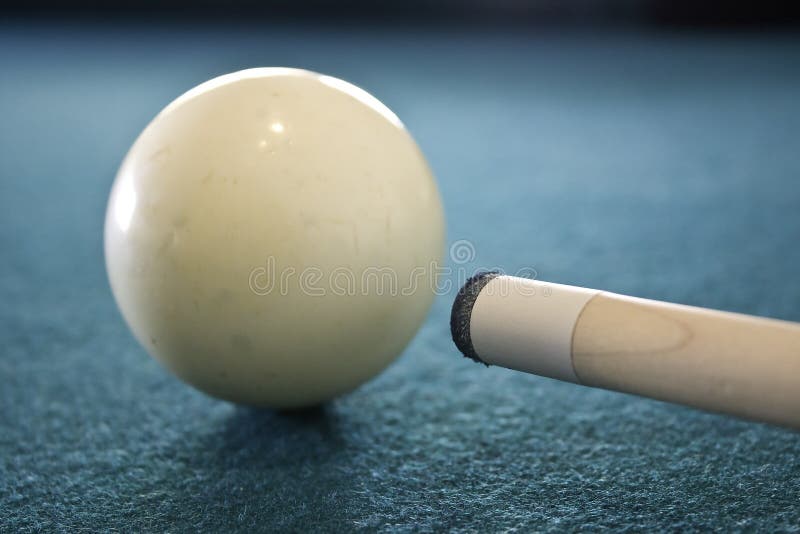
272,237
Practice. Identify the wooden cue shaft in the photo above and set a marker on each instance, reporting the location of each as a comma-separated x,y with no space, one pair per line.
719,361
723,362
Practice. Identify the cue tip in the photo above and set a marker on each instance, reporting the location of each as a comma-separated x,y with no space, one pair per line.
461,313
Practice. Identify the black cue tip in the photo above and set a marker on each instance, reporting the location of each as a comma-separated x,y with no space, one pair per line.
461,313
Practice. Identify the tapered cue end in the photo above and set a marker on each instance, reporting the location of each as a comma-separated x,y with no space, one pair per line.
461,313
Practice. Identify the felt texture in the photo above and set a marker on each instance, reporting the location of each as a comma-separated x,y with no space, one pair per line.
660,165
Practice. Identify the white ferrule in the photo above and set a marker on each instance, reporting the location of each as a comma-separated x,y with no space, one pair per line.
527,325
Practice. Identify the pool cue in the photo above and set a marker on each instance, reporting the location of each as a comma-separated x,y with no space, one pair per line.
723,362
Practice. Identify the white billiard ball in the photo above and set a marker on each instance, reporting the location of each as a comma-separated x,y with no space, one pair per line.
272,236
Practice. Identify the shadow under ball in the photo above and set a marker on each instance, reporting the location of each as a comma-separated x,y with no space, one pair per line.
245,227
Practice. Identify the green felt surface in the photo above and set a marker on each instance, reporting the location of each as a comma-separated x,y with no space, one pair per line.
660,165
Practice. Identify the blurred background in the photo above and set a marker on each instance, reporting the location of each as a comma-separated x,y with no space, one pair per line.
515,12
648,147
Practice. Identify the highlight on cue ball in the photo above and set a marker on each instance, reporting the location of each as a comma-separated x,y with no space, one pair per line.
236,191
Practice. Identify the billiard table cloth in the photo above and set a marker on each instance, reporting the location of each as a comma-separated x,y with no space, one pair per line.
654,163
